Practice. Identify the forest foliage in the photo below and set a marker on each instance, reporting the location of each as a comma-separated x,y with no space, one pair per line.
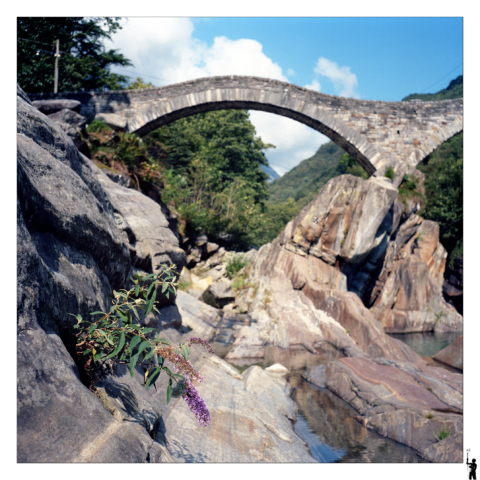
84,62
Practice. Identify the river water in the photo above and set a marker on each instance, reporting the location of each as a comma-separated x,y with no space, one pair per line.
326,423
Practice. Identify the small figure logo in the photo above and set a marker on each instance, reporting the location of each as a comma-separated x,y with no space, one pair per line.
473,467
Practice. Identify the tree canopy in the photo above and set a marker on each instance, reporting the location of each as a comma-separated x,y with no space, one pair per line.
84,62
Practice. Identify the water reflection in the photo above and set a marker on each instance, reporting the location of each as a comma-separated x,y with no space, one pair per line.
426,344
326,424
293,358
325,421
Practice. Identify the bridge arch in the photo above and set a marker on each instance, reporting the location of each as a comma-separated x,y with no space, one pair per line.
341,134
376,133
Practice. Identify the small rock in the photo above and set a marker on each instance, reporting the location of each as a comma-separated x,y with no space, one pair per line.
219,294
277,368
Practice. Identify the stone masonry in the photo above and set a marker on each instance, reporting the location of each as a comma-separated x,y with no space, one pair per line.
376,133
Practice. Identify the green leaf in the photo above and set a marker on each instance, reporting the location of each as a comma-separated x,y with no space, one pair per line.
132,363
136,327
153,377
186,351
150,288
137,290
147,330
150,303
143,346
122,317
121,343
92,328
164,287
97,313
181,387
134,311
168,371
149,355
169,391
86,352
98,355
135,340
177,375
164,340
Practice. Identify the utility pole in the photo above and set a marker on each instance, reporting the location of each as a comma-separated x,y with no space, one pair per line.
57,56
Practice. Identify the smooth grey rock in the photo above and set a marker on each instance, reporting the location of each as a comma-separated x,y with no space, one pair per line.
52,106
122,180
147,231
70,118
22,95
316,375
453,354
219,294
117,122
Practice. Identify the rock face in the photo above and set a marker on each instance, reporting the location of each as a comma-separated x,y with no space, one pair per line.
145,229
453,285
315,284
52,106
453,354
69,255
79,235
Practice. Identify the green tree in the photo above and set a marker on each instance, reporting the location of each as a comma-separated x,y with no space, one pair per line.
443,184
84,62
213,177
139,83
352,167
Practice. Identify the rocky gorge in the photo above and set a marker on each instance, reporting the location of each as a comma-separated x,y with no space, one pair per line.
354,265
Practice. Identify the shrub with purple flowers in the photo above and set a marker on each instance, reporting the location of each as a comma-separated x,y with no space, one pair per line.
118,337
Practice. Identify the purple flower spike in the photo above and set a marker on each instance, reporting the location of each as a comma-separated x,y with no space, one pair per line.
196,404
199,341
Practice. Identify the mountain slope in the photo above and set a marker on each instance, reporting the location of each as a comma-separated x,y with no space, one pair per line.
304,181
454,90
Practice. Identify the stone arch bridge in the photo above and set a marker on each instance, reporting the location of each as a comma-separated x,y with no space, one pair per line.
376,133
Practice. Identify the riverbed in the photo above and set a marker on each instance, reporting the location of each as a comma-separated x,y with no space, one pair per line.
324,421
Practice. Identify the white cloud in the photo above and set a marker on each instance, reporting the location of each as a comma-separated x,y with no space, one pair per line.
166,48
344,81
291,72
315,85
294,141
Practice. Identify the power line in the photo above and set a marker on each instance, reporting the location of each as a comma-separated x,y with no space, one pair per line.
141,74
428,88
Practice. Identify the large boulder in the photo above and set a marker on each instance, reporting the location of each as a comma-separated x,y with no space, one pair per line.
145,229
55,105
453,354
407,296
219,294
346,220
409,403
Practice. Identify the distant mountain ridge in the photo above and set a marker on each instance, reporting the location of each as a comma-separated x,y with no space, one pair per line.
273,175
304,181
454,90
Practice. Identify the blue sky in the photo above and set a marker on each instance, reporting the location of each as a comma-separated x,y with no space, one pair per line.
368,58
